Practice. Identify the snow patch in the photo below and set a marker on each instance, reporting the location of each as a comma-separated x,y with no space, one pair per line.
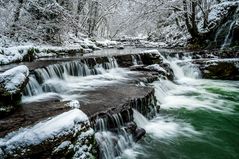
107,43
62,146
156,67
74,104
82,147
151,51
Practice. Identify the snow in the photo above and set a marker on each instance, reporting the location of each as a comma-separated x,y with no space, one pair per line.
149,44
220,10
62,146
217,14
13,79
13,54
82,147
16,53
61,125
156,67
74,104
107,43
151,51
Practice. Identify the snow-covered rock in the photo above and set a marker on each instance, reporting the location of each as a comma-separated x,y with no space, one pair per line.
13,80
217,15
156,67
70,123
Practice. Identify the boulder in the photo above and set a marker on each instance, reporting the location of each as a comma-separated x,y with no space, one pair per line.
220,70
12,83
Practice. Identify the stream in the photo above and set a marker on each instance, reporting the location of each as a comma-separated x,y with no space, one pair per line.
198,119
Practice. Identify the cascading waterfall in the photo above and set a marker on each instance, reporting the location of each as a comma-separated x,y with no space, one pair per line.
228,38
136,60
196,114
114,136
41,81
112,143
221,29
187,70
33,87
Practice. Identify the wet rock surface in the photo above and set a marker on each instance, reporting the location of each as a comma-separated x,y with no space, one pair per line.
223,70
113,99
29,114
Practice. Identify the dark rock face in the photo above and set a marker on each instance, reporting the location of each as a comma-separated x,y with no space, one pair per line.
139,133
220,70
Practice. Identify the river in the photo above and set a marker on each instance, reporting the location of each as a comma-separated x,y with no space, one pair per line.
198,119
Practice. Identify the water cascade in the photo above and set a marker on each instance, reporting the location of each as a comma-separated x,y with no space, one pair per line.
67,80
228,38
112,143
190,111
136,60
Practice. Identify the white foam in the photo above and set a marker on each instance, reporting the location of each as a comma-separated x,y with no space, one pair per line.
164,127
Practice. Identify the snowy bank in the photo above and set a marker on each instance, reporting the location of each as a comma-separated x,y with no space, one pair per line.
106,43
13,54
29,52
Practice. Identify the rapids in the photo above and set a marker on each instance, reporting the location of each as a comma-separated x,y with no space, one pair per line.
198,119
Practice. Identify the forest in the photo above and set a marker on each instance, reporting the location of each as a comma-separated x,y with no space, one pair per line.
119,79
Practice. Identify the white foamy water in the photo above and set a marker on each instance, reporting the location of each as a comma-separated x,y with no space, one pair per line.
71,87
163,126
188,93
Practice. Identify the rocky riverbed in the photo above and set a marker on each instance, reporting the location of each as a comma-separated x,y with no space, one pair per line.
83,107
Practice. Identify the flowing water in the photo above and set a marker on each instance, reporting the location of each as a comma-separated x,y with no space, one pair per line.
198,119
67,81
228,39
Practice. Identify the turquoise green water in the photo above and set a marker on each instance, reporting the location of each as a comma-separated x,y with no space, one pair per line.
199,119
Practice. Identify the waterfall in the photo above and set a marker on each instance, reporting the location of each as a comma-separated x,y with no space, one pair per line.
33,87
42,80
228,39
112,143
139,119
186,70
136,59
221,30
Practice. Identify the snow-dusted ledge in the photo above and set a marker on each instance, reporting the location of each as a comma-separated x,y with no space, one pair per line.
68,123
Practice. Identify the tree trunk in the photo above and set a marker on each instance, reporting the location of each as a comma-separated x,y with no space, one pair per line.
191,22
